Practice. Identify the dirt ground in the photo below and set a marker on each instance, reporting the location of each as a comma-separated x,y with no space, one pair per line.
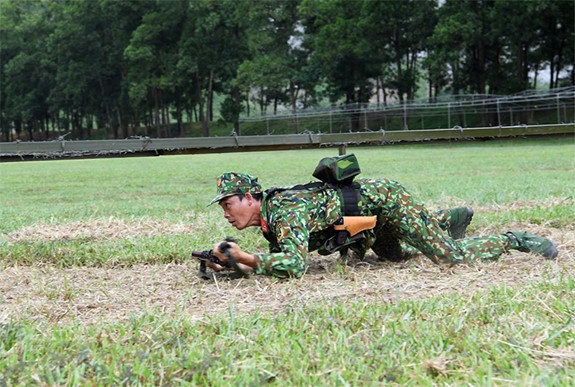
95,295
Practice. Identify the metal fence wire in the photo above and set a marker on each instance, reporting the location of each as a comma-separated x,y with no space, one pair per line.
556,106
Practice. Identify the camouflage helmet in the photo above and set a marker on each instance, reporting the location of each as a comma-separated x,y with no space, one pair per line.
235,183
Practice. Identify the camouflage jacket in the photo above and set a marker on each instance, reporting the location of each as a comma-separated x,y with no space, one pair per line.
296,222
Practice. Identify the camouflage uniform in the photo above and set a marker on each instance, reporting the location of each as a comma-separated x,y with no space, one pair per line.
296,222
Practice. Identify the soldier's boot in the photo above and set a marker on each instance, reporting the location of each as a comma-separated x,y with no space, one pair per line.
459,219
530,243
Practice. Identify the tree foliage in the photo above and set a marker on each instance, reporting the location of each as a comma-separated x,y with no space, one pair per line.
114,69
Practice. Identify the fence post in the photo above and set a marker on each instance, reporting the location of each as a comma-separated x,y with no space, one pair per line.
498,114
405,127
558,109
350,121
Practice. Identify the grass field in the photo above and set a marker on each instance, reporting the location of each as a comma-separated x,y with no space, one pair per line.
97,286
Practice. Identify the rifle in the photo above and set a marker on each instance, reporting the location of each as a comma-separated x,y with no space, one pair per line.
208,255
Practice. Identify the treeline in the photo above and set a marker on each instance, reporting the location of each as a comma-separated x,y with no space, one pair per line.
119,68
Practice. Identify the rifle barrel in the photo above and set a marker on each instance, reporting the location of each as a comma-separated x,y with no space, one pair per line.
200,254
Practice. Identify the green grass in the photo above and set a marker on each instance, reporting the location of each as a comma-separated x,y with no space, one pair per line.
170,187
499,336
487,175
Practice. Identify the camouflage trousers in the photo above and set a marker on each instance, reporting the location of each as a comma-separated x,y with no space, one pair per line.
403,218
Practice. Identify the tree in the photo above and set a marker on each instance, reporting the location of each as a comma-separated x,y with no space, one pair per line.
397,32
275,69
557,38
334,33
517,28
120,65
27,69
152,55
361,44
117,22
210,50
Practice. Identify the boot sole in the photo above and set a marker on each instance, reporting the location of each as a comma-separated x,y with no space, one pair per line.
460,232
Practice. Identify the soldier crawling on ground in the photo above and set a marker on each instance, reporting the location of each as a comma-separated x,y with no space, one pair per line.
298,220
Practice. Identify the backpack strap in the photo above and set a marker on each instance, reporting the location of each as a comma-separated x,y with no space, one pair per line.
350,198
312,186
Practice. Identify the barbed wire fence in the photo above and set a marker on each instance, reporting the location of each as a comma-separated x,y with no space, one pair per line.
554,106
464,117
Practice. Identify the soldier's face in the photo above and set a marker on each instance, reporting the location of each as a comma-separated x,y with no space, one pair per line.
240,213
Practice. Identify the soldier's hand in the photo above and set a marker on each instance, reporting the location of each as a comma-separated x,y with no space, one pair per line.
245,261
220,248
214,266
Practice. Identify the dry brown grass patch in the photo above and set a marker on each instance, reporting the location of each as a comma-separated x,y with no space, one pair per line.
92,295
114,228
101,229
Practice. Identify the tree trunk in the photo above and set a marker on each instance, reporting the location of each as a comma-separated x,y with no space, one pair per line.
179,114
164,116
292,96
180,122
236,96
210,113
123,124
378,84
30,130
206,118
116,126
261,100
18,128
46,127
200,103
76,125
248,103
156,113
551,73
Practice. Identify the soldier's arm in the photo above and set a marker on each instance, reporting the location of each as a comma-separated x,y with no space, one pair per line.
288,258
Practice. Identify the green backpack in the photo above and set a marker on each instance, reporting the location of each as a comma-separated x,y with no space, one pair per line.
338,170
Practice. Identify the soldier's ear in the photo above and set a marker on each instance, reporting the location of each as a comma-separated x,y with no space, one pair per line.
248,196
